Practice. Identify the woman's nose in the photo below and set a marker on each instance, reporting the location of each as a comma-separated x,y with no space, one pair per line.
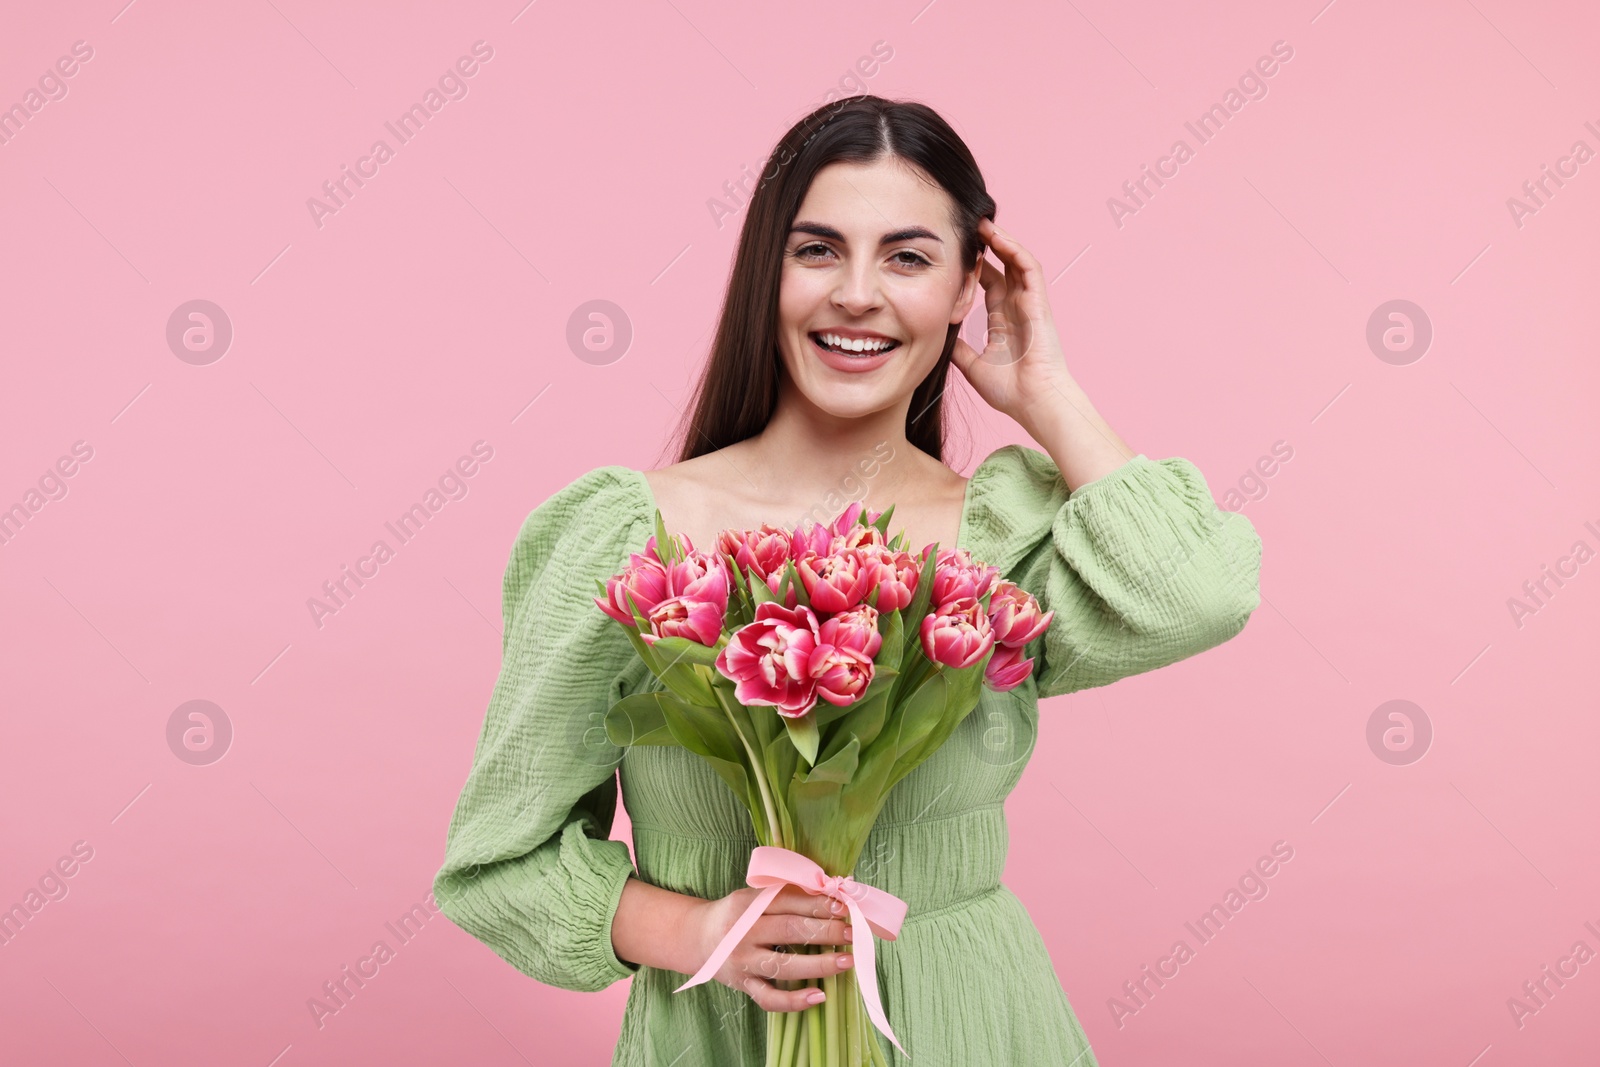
857,291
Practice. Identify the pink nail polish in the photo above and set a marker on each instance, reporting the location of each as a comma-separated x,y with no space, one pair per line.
815,997
846,961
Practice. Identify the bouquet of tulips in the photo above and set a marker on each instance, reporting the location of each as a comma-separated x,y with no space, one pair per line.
813,669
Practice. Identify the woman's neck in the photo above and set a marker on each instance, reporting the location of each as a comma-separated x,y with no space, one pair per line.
802,445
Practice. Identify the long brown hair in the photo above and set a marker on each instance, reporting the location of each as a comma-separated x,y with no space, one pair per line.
737,393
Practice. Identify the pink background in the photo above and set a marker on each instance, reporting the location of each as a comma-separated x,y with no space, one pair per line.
1228,314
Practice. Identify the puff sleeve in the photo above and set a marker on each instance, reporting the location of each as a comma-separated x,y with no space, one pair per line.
1140,565
528,869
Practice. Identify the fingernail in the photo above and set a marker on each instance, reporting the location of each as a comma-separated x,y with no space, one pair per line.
815,996
846,960
849,930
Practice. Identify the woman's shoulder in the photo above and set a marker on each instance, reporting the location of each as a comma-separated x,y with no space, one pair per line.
687,475
581,532
597,506
1015,496
1016,471
1012,475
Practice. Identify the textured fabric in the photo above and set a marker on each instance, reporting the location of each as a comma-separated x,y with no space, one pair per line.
1142,570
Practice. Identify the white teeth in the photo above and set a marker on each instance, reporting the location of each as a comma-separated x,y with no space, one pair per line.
854,345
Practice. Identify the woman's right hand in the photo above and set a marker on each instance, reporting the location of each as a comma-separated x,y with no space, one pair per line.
759,962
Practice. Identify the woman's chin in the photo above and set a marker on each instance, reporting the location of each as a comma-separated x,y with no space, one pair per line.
850,402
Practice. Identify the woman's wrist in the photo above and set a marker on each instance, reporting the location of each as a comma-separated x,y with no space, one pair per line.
656,927
1074,435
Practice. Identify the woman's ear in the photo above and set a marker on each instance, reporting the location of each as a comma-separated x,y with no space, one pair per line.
970,288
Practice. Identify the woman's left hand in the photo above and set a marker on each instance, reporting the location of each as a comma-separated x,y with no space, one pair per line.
1022,367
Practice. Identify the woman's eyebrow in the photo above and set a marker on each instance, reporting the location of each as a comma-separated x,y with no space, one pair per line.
817,229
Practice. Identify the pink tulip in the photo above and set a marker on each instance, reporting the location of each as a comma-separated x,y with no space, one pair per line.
835,582
810,538
861,537
957,634
680,540
761,552
856,629
645,578
682,616
896,578
853,528
958,575
769,659
854,513
1006,669
701,576
1016,615
841,674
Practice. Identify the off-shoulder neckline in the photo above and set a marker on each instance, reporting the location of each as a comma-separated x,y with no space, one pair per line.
963,531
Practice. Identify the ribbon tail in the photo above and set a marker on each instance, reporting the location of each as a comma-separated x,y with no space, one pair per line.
867,972
730,940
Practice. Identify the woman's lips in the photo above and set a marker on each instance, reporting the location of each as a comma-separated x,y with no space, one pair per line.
850,364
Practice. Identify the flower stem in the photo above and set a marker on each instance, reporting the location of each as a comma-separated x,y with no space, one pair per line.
814,1029
853,1019
757,769
789,1038
830,1019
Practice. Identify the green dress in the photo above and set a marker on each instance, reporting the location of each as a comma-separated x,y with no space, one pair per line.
1142,570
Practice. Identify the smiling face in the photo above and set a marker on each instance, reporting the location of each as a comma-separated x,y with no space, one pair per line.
871,282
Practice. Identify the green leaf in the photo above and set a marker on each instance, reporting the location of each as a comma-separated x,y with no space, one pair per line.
738,780
791,580
915,718
914,663
821,829
764,720
864,719
761,593
741,602
741,584
921,599
963,690
666,548
914,667
704,731
923,709
882,522
638,720
803,732
689,683
736,572
840,768
892,653
682,649
641,646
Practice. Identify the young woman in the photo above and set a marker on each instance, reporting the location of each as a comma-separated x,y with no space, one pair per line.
860,256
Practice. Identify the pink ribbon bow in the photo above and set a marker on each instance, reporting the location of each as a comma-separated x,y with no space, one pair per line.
872,911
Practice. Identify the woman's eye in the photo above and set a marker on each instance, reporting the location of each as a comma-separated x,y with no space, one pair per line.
905,257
